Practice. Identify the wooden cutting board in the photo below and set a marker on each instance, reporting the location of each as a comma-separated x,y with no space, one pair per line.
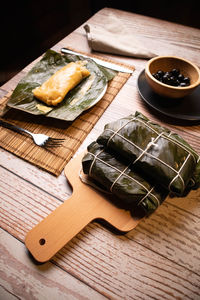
85,205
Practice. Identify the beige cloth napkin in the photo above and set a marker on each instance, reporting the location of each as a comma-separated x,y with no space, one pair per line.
113,37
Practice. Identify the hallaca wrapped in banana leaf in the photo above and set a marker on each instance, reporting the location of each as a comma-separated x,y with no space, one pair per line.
155,151
117,177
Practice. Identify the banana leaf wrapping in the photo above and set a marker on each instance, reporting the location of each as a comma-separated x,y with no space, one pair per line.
155,151
80,98
115,176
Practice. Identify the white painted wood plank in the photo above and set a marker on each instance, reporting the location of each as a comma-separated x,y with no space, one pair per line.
126,269
116,266
6,295
20,277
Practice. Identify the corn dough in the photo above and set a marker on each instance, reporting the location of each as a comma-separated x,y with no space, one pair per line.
58,85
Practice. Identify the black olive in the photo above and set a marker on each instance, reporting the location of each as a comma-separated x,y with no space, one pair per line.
166,79
160,73
177,82
173,77
175,72
168,74
180,77
156,76
186,80
183,84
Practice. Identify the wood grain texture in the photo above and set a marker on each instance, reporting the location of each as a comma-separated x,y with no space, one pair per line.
161,235
159,259
21,279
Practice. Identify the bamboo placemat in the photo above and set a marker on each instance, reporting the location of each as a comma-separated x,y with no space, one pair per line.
75,132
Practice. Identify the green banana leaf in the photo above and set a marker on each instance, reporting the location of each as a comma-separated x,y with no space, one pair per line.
122,184
75,101
157,152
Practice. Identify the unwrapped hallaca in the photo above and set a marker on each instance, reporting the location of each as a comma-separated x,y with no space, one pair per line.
155,151
130,190
55,88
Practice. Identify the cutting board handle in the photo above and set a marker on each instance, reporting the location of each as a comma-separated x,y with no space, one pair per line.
59,227
85,205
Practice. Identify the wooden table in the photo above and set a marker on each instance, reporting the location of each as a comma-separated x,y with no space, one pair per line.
159,259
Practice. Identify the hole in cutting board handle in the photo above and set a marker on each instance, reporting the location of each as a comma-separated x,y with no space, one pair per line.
42,242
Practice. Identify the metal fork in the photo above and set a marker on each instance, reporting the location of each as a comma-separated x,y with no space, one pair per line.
41,140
